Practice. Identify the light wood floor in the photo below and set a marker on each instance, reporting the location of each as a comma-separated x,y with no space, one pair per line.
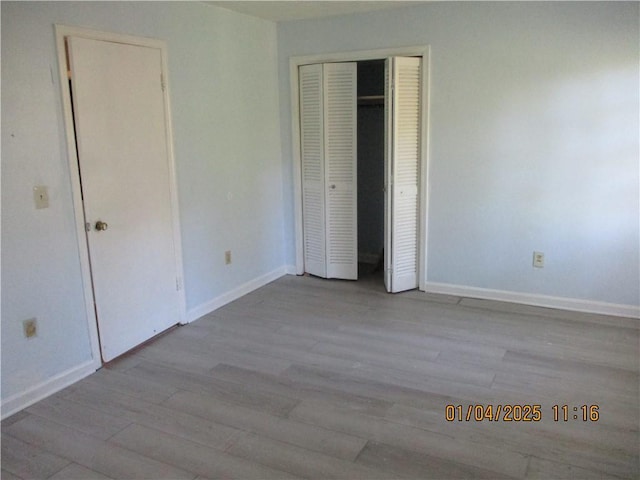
308,378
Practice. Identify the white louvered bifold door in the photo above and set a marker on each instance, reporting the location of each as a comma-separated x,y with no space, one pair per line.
328,129
313,181
403,159
340,151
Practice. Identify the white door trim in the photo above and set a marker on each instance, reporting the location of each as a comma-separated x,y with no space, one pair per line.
355,56
62,32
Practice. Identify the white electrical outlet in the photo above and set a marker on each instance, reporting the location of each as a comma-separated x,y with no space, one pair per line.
41,196
538,259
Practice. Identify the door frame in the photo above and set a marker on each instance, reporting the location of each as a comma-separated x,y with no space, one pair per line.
61,32
358,56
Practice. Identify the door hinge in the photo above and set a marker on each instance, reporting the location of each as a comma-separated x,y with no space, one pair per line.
162,84
87,227
178,284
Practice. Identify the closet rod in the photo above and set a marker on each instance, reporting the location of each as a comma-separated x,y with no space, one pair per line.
371,100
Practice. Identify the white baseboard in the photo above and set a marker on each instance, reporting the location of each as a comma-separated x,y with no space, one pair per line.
563,303
290,270
228,297
22,400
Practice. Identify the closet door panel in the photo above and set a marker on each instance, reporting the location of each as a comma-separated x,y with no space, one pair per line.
313,169
340,151
404,150
388,156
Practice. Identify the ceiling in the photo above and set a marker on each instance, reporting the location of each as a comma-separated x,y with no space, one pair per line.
299,10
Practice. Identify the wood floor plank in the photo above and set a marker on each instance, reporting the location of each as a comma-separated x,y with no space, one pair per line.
77,472
371,345
95,423
201,460
213,354
147,390
332,380
596,377
312,437
399,462
215,388
275,357
620,438
427,388
425,368
28,461
301,462
420,337
292,389
560,388
92,453
260,335
581,317
16,417
174,357
463,360
7,475
159,417
540,469
123,363
439,444
583,445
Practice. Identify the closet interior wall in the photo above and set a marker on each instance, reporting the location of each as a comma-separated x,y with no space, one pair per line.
371,161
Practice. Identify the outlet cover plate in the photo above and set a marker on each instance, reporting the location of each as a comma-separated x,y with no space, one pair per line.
538,259
41,196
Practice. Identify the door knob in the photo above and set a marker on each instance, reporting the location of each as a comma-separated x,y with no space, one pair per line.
101,226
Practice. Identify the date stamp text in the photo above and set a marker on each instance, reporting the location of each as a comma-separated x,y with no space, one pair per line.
520,413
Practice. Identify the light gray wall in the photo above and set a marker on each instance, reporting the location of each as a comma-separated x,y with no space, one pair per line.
224,94
534,139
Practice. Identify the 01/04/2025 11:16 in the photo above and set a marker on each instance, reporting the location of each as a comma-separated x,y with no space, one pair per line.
519,413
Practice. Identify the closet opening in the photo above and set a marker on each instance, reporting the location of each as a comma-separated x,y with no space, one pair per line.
360,146
370,169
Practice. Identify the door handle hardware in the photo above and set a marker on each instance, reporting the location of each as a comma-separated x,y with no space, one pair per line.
101,226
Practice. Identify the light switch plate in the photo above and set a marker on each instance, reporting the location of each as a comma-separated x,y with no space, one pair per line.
41,196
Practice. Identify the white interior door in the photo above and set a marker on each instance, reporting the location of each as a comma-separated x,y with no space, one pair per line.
121,135
328,118
402,151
